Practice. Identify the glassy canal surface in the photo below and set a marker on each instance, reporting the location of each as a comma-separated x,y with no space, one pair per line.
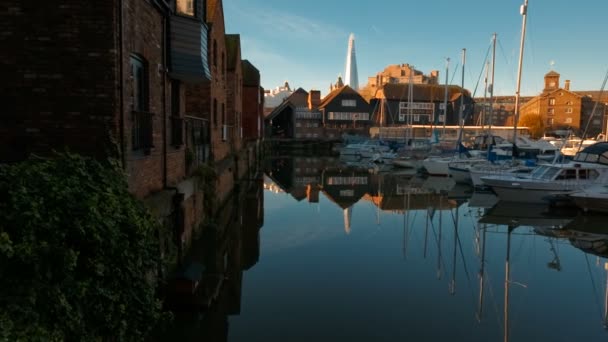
352,254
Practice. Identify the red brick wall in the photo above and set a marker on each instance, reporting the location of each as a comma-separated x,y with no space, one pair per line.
58,83
251,113
234,95
143,32
61,86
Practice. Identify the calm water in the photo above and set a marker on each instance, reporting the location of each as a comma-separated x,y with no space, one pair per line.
347,254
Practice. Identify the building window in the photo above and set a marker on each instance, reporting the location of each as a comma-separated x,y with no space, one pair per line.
551,111
349,103
185,7
416,118
139,75
569,103
141,129
177,123
568,120
569,110
552,101
223,114
550,122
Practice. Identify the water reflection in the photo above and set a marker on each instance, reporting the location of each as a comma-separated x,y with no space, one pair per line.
355,254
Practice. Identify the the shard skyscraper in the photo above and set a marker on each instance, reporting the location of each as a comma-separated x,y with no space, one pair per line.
351,77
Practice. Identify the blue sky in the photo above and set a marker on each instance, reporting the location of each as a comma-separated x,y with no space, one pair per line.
305,42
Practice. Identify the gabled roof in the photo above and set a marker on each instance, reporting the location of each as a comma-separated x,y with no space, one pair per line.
552,73
251,75
293,101
420,92
334,93
233,50
279,109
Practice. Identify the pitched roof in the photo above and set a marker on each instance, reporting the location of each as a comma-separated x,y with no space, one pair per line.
334,93
420,92
233,49
295,99
552,73
251,75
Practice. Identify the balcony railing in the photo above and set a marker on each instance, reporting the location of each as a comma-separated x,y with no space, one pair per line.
177,131
142,131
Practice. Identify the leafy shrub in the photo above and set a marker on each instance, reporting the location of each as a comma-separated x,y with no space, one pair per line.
78,254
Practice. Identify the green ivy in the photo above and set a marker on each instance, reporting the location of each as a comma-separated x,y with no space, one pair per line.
78,253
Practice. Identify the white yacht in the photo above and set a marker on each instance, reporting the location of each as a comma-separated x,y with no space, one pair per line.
365,149
589,167
594,198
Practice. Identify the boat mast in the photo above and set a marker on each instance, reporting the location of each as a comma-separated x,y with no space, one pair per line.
492,83
485,97
524,14
445,95
410,95
460,111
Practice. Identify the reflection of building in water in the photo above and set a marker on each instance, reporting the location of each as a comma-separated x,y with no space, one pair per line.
225,250
398,194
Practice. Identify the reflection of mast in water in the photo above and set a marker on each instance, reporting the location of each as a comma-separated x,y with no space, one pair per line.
439,238
406,223
606,298
452,288
507,282
348,213
482,273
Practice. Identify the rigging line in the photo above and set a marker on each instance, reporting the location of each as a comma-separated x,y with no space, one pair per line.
482,69
593,111
454,73
597,300
502,50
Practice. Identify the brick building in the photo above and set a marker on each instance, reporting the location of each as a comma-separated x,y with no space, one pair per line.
304,115
397,74
502,113
147,82
253,103
562,109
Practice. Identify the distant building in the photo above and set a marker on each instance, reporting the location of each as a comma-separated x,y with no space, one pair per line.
391,105
502,113
564,110
274,97
397,74
304,115
351,74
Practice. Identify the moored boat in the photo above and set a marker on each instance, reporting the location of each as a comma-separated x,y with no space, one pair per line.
546,181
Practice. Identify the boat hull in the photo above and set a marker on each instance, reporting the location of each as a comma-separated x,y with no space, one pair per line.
437,167
460,175
513,189
588,202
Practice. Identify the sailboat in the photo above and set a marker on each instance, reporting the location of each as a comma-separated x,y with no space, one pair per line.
439,166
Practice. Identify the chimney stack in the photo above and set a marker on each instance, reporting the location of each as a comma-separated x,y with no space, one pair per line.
567,85
314,99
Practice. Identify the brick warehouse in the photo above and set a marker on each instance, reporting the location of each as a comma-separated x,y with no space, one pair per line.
115,78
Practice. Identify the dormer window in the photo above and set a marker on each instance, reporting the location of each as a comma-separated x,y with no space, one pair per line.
185,7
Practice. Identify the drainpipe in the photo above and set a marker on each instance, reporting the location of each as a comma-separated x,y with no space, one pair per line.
121,120
164,97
